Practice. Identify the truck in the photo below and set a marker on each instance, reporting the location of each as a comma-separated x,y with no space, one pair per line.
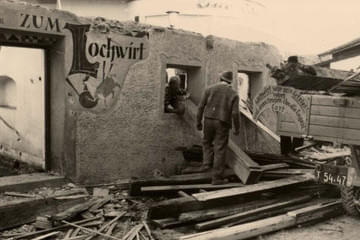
322,107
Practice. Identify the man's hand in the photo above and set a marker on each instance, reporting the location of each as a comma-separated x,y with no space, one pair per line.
199,126
236,132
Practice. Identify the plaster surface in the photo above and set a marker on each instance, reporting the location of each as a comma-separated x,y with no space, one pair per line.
107,81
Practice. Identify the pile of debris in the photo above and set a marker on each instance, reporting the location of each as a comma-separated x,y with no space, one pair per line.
182,206
108,213
285,196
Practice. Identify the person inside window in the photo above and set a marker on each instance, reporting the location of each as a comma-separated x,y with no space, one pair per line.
174,96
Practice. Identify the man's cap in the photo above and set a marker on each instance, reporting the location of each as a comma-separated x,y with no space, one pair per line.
174,79
226,76
293,59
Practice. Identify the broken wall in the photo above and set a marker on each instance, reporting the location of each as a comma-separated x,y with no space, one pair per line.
107,84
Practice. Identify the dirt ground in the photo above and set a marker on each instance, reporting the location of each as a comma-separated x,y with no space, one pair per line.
340,228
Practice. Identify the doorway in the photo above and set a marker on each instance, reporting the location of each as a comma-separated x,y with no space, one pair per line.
22,104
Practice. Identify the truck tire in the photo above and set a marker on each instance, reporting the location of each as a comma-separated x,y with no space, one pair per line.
350,197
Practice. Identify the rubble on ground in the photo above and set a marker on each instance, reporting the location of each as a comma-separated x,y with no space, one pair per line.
187,205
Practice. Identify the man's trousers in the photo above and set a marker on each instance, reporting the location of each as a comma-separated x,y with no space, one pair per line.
216,137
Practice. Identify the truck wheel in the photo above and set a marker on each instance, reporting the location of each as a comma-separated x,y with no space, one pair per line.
350,199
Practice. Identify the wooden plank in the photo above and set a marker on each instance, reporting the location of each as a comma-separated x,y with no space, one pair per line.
188,187
244,167
183,194
325,100
332,132
327,156
253,212
33,234
107,225
335,139
52,234
148,231
298,149
222,211
73,211
27,182
287,172
173,207
90,230
194,178
211,213
267,214
252,229
335,111
340,122
275,166
19,212
167,222
15,194
319,211
247,230
227,193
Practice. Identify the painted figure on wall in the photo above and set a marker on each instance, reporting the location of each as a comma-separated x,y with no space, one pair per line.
100,63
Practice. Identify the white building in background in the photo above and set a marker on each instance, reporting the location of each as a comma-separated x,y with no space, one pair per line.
111,9
242,20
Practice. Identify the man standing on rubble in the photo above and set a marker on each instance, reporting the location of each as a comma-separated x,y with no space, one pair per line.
220,107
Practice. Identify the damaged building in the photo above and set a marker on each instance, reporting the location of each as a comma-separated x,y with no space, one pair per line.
89,102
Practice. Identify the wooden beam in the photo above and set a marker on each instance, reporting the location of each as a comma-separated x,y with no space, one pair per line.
244,167
281,173
173,207
27,182
90,230
46,235
298,149
70,213
222,211
107,225
275,166
183,194
33,234
227,193
252,229
211,213
194,178
246,230
253,212
167,222
19,212
170,188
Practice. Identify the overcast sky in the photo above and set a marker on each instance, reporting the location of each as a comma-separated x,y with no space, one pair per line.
307,26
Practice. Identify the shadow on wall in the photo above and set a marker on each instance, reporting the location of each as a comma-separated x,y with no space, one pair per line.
8,95
7,92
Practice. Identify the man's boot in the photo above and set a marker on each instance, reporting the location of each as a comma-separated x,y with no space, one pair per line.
205,168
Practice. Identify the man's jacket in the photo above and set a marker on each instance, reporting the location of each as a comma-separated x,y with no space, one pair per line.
220,101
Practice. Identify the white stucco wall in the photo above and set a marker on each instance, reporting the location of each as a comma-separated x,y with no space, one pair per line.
22,124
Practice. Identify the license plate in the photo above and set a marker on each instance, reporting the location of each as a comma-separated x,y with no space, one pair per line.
330,174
